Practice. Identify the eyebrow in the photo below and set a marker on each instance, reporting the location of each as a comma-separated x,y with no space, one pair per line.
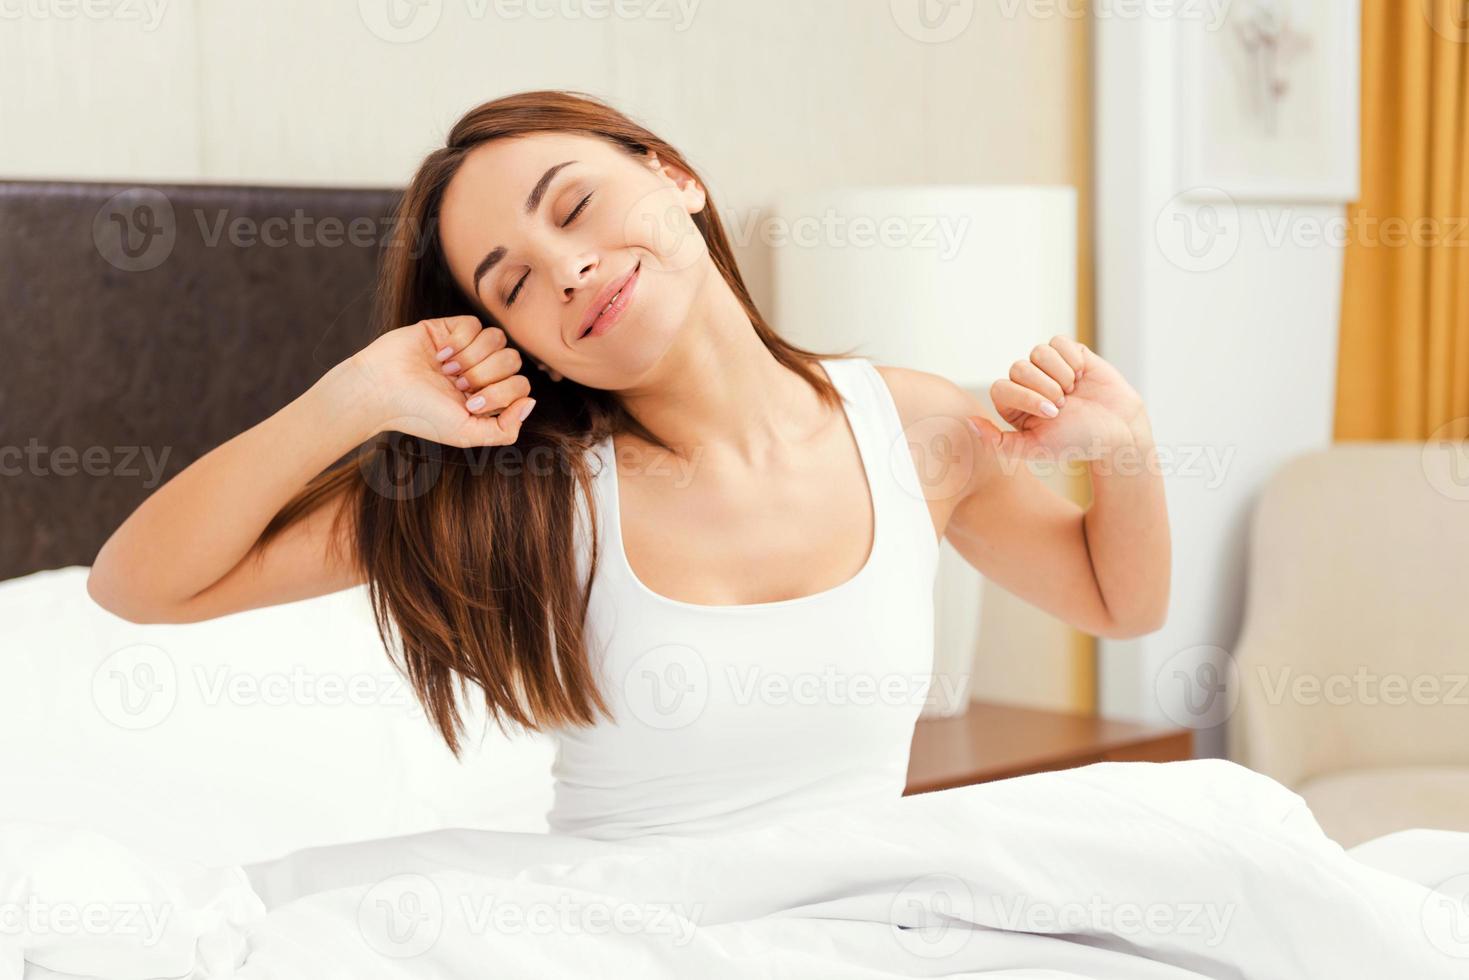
532,202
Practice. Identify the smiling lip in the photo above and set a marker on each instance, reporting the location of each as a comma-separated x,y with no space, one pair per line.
604,321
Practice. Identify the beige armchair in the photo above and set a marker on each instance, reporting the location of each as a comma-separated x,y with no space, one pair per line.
1354,656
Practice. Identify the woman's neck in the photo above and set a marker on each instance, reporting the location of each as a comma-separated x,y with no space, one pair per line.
718,389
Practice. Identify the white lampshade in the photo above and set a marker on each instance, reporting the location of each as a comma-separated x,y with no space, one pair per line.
957,280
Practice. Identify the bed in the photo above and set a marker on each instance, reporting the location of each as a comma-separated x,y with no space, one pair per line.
258,796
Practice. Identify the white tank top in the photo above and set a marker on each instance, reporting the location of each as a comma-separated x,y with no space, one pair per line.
727,716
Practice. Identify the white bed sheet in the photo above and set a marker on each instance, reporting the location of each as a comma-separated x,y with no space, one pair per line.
1175,871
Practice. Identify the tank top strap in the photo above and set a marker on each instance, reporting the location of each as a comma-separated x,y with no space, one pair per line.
600,457
897,491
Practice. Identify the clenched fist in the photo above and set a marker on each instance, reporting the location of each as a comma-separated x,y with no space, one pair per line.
449,380
1064,398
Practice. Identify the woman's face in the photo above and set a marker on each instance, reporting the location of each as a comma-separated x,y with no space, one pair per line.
540,227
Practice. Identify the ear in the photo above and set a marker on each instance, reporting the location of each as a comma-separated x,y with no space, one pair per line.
688,187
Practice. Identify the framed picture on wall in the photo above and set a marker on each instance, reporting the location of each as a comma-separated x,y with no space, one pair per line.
1270,101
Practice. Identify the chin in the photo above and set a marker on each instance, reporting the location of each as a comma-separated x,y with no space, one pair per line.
632,351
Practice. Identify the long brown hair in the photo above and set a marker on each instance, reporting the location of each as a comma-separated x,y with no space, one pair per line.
469,554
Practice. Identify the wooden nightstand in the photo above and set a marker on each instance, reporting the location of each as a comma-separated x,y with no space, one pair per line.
996,741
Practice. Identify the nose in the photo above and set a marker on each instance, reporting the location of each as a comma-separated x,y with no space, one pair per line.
579,271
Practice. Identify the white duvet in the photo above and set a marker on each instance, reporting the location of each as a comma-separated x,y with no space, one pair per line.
1116,871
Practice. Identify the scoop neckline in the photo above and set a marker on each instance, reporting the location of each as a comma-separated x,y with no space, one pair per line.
834,591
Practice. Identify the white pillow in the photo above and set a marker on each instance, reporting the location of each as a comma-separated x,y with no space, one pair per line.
237,739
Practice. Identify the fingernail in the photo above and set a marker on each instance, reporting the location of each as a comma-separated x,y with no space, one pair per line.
476,403
444,352
526,410
1061,402
1049,409
462,384
451,367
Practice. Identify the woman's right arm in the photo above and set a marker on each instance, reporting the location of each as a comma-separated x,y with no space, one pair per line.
186,553
178,558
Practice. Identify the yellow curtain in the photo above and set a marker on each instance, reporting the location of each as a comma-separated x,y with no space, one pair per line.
1403,368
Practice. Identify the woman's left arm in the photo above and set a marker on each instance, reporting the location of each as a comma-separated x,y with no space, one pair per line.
1104,569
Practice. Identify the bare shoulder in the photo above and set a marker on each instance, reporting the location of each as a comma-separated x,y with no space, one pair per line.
923,395
951,459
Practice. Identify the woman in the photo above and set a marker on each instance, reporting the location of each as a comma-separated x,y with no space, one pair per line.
687,547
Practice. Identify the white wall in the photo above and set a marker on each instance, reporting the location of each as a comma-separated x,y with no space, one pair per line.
765,92
1233,347
762,95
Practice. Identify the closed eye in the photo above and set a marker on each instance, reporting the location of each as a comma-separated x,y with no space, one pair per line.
576,212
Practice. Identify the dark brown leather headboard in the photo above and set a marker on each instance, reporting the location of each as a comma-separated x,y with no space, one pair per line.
143,325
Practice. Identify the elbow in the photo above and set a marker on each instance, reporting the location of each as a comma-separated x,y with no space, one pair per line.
1128,631
115,601
106,597
1146,612
1133,626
